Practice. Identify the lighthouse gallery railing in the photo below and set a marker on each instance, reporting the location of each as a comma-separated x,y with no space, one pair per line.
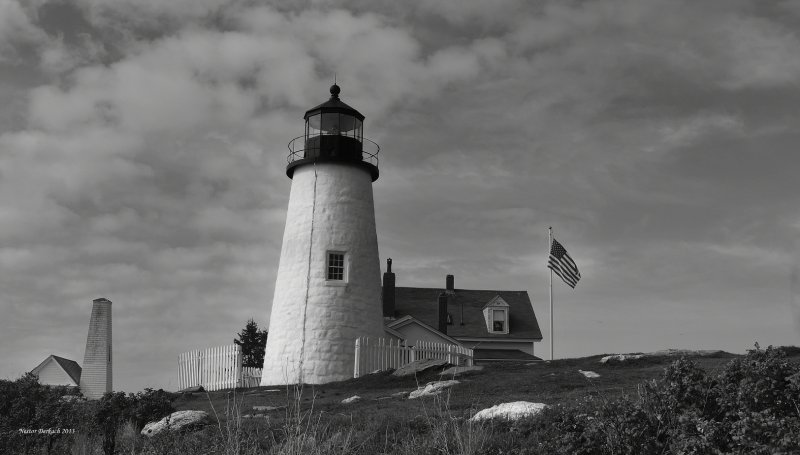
298,150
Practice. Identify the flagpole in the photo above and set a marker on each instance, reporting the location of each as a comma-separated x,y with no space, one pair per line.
549,249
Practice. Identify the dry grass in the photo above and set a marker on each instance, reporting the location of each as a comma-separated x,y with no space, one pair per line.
312,420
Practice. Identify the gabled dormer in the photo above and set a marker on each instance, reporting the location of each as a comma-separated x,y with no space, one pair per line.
495,313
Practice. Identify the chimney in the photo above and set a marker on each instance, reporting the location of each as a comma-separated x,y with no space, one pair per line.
96,377
387,294
443,313
450,284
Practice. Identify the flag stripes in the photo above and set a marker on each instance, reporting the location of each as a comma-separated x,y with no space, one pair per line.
561,263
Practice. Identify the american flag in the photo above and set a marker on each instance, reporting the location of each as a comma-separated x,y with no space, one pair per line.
563,265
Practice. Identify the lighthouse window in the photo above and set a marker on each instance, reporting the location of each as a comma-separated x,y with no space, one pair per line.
336,266
330,123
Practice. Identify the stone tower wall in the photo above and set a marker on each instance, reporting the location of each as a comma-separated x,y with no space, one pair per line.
96,376
313,342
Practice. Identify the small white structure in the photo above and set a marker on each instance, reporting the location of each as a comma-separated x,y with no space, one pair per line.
96,377
55,370
328,286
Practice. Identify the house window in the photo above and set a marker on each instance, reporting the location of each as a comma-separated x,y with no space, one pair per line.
498,320
336,270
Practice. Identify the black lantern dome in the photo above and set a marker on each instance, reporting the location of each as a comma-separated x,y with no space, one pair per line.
334,133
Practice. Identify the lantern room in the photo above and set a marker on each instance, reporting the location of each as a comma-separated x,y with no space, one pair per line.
334,132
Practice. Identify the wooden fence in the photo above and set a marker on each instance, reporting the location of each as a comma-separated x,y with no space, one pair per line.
216,368
251,377
381,354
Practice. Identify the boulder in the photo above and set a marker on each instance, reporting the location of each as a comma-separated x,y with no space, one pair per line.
419,366
621,357
353,399
684,352
589,374
432,388
662,353
509,411
177,421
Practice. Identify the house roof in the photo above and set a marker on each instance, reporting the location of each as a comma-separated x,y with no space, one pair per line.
70,367
393,332
422,304
408,319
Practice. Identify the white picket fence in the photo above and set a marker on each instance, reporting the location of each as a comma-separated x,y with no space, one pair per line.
381,354
216,368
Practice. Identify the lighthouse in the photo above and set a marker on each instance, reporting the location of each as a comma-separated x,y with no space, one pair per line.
328,287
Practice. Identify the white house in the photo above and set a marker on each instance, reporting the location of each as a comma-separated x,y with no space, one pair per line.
55,370
498,325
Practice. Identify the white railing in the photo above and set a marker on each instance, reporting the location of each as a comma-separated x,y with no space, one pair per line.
216,368
381,354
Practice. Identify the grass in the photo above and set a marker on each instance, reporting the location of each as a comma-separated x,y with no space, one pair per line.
546,382
312,420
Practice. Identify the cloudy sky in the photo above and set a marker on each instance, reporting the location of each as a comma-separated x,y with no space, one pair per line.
143,149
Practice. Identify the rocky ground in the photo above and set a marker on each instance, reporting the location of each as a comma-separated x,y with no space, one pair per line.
463,392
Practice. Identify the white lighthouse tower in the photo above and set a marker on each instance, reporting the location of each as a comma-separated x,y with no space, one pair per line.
328,288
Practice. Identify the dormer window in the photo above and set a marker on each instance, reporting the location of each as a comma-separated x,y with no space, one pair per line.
495,312
499,320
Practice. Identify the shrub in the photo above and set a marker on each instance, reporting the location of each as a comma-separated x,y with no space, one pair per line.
752,406
111,411
26,405
151,405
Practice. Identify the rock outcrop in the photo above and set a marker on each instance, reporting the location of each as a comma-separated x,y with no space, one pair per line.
419,366
509,411
432,388
177,421
455,371
589,374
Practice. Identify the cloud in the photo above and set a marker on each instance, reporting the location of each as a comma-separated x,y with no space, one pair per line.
59,57
152,16
761,53
144,156
17,31
689,130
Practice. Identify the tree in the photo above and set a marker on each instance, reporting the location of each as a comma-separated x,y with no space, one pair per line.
253,342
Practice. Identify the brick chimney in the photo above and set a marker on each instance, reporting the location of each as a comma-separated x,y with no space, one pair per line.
443,298
387,294
450,289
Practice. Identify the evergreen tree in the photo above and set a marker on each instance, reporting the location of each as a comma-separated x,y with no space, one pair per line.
253,342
